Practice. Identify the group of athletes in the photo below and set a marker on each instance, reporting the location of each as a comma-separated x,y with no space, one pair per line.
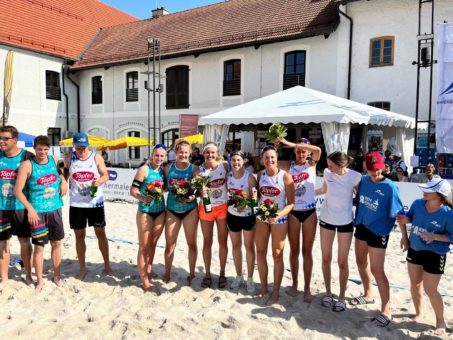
39,185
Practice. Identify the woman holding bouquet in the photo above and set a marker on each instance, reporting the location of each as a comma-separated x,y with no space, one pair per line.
276,188
217,172
148,188
303,216
180,209
240,219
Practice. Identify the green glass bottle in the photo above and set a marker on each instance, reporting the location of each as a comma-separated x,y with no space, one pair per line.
93,189
207,203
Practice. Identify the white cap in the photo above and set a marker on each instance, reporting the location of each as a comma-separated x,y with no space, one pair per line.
397,154
438,185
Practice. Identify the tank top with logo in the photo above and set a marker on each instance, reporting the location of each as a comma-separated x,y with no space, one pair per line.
241,184
82,173
304,177
273,187
217,184
44,186
175,174
9,167
156,178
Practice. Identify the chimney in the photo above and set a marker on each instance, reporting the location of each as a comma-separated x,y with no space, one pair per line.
158,12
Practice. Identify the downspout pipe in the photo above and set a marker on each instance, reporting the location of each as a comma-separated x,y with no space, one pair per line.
65,94
78,97
351,26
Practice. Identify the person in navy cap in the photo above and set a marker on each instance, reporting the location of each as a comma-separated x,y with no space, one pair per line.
87,173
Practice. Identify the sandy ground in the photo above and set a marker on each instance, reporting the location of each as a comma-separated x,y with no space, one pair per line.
116,307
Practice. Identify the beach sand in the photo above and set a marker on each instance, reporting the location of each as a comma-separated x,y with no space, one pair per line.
116,307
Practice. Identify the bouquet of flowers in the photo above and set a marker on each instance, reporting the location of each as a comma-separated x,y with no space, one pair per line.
181,188
155,190
276,130
238,198
267,209
199,182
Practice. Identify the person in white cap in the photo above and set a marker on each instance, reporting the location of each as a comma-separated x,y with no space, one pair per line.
430,237
398,163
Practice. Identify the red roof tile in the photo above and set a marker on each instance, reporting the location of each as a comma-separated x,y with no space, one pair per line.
58,27
224,25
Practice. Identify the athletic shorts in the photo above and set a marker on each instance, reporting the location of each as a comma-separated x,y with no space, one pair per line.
153,215
14,222
78,217
239,223
347,228
49,228
218,213
181,215
430,261
302,215
373,240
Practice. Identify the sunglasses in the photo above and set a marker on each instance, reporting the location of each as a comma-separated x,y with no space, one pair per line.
5,139
267,148
160,146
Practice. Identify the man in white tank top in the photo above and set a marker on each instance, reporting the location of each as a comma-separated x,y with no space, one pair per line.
87,172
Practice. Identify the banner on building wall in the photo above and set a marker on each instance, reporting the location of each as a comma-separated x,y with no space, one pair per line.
444,109
188,125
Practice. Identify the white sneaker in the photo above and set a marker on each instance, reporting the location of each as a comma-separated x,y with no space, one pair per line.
250,285
237,282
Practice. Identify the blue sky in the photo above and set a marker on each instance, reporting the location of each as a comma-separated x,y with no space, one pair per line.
142,8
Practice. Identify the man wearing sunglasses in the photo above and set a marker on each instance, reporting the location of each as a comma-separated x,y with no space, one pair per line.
13,218
87,173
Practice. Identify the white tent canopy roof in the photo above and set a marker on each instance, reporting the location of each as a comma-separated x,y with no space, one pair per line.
303,105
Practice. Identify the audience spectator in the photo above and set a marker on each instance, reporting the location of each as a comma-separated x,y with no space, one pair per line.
428,176
388,157
398,162
401,175
387,172
195,157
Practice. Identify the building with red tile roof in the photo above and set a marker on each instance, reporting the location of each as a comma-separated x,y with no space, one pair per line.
221,26
57,27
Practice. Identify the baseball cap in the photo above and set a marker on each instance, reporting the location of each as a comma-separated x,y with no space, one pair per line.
397,154
438,185
374,161
80,139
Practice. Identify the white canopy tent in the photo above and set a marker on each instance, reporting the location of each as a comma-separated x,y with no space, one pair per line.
303,105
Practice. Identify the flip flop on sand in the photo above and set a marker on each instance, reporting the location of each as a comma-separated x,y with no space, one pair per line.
360,300
206,282
339,306
327,301
222,281
381,320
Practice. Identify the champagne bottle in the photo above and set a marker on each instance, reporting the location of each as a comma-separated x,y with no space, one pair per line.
93,188
253,201
207,203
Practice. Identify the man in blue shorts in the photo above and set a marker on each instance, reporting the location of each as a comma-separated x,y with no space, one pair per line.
13,219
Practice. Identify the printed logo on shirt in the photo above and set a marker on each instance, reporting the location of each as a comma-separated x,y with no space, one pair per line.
49,193
435,224
8,175
379,192
83,176
47,180
369,203
300,190
269,191
217,183
7,190
303,176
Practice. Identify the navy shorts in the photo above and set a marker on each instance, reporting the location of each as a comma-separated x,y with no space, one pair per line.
430,261
49,228
347,228
14,222
239,223
78,217
373,240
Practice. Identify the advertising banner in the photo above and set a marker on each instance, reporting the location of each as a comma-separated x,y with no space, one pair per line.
444,109
119,184
188,125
